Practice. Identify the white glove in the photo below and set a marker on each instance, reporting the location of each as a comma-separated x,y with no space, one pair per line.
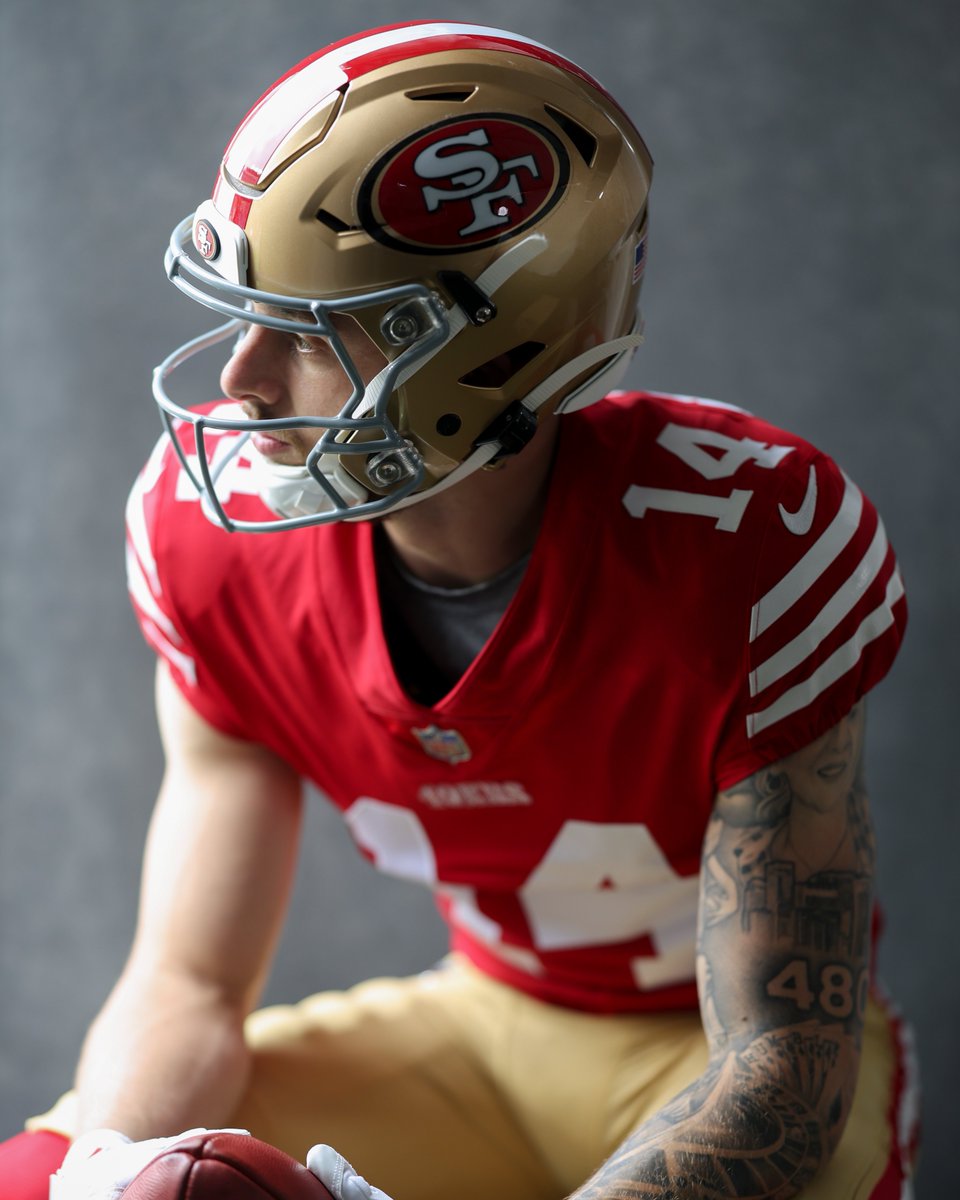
101,1163
338,1177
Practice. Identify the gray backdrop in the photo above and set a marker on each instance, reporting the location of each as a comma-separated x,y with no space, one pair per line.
804,264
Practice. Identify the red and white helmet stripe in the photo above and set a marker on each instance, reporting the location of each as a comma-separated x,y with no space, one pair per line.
309,86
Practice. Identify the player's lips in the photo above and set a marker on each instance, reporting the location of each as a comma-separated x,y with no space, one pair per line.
832,770
270,446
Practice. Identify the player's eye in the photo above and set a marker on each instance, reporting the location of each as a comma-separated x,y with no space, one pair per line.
305,345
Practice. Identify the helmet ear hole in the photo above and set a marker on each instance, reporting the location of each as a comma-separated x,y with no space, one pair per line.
449,425
498,371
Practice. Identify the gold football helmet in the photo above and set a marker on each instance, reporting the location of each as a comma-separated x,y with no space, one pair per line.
475,202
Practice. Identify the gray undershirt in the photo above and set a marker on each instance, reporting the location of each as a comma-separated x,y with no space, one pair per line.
434,633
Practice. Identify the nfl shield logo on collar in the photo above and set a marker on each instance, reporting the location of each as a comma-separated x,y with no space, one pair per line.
445,744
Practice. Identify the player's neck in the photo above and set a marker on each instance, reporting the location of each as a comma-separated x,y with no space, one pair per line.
481,526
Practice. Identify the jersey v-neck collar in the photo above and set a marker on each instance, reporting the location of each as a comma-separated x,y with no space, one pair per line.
513,665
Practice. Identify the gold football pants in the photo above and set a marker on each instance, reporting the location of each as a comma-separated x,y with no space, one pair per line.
449,1084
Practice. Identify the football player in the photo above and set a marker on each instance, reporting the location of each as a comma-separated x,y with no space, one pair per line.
589,664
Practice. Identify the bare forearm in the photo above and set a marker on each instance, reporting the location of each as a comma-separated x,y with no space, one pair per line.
164,1055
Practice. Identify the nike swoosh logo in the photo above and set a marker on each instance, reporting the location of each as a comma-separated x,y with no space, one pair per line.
799,522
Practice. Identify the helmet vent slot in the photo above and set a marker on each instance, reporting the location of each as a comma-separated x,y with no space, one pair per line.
498,371
449,425
583,140
444,95
332,221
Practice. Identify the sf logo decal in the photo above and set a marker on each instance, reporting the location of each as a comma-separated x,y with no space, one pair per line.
464,184
472,175
205,239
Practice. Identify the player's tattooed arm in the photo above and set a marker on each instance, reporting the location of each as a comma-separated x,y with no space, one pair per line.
782,960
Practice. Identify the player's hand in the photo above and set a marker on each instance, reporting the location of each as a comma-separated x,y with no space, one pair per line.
100,1164
338,1177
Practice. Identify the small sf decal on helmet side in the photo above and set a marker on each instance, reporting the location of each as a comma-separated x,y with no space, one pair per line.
464,184
205,239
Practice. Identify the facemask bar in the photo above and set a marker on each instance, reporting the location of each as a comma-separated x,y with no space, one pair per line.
365,410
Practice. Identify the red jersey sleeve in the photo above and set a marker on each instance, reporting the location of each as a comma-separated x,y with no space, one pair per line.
827,617
153,592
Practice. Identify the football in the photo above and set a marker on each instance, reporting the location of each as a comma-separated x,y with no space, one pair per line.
224,1166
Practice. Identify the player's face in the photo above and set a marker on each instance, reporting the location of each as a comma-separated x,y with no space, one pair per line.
272,373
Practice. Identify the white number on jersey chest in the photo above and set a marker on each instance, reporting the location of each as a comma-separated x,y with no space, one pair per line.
596,885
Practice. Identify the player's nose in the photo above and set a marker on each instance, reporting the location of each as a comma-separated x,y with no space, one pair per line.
253,375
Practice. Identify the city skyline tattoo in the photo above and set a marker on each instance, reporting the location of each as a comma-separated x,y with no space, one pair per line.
828,912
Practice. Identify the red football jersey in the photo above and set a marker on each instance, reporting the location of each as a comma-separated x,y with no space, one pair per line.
707,594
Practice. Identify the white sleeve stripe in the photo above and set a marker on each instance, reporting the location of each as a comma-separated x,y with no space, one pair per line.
135,515
143,597
183,662
843,659
783,595
827,619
